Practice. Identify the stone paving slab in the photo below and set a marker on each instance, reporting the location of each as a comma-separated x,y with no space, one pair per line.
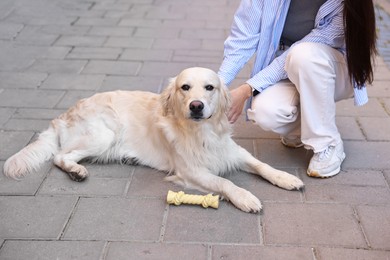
116,219
34,217
157,251
317,225
49,250
55,52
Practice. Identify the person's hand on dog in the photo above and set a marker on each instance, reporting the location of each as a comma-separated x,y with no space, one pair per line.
238,97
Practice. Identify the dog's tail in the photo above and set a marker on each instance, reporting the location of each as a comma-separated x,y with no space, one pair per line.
31,157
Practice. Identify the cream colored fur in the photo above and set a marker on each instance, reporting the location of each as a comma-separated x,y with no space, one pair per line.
161,131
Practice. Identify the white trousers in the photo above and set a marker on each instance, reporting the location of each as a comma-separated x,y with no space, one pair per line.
305,103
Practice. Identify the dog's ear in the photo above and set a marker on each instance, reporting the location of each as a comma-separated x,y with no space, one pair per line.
166,97
224,98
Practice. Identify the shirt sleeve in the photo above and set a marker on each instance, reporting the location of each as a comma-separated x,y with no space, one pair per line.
243,40
330,31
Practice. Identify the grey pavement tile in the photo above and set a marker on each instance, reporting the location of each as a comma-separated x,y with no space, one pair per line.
5,114
194,24
11,142
124,14
117,219
387,176
349,128
219,24
163,69
114,171
147,55
111,31
379,89
233,252
145,83
28,185
139,22
345,253
34,217
366,155
36,125
247,144
203,34
213,45
177,44
51,52
348,177
14,64
381,73
316,224
247,129
93,53
376,129
355,195
226,224
73,81
108,5
37,113
71,97
92,186
164,14
372,109
201,60
49,250
274,153
65,29
84,41
147,182
21,79
28,52
58,66
156,251
30,98
167,33
8,31
129,42
376,225
96,21
386,102
31,35
124,68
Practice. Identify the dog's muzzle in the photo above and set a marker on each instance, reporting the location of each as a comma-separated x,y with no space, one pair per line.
196,108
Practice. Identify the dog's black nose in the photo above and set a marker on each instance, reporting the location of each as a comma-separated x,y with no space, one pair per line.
196,106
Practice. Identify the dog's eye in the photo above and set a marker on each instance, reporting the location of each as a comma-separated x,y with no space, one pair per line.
209,88
185,87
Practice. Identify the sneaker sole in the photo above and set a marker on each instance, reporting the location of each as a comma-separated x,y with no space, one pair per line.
316,174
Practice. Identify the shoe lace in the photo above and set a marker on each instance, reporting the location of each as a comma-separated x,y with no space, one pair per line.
323,155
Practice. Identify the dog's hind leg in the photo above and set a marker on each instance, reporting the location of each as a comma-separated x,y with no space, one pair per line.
68,162
92,146
279,178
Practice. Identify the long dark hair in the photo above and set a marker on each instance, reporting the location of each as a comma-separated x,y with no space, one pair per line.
360,38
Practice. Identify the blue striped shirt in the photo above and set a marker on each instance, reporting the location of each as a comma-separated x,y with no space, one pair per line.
257,28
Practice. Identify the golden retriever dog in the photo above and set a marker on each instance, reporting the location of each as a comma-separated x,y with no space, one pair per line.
183,131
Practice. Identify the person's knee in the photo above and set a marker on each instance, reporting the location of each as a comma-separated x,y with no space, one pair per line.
263,115
300,56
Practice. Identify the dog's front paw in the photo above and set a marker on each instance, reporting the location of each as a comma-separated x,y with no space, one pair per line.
245,201
288,181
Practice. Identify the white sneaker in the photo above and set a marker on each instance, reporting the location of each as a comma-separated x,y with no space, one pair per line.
327,163
291,141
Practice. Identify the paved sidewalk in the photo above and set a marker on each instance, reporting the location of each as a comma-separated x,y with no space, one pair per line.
54,52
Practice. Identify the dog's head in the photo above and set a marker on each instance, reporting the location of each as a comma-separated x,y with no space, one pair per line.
196,94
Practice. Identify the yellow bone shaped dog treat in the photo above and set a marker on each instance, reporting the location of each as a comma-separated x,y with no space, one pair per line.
180,197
